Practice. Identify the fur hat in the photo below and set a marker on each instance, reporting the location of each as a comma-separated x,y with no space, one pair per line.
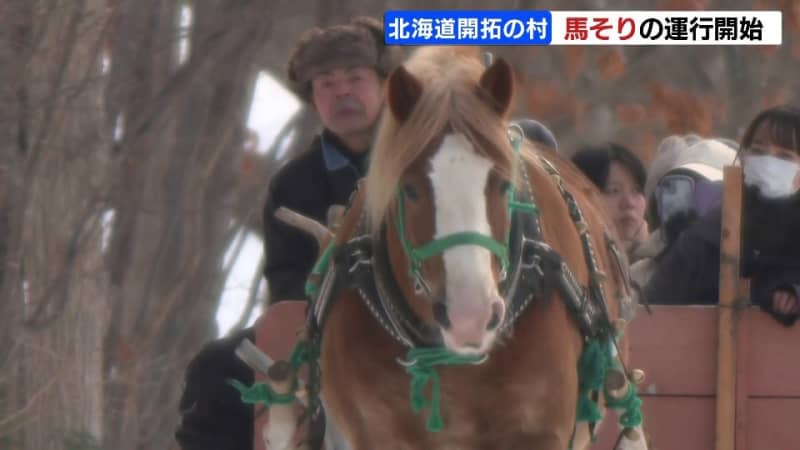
359,43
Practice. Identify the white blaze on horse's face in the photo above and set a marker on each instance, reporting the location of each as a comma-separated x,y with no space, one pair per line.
458,177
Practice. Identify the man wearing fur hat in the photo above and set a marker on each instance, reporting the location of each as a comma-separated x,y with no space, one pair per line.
339,71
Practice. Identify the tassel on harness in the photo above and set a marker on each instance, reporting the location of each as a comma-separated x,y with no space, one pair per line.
421,365
595,363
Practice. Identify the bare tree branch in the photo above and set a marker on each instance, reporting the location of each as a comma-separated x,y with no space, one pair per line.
71,40
88,227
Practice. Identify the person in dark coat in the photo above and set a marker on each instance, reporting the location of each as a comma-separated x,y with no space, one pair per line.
688,273
340,71
213,416
684,184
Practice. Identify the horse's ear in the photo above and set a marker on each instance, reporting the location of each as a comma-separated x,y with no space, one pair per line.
403,92
498,82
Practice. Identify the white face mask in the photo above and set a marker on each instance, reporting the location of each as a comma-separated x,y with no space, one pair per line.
773,176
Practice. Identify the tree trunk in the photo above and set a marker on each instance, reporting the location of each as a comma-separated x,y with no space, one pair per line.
176,203
55,288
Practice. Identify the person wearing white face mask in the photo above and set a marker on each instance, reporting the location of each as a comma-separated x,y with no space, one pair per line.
689,272
771,166
775,176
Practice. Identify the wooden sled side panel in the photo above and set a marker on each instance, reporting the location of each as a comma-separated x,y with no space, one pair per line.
677,349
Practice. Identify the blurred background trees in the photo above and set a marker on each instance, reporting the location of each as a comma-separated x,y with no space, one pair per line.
128,177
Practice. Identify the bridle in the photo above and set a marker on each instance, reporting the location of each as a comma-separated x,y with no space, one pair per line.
418,255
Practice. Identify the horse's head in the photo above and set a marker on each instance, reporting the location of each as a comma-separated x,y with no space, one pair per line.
439,183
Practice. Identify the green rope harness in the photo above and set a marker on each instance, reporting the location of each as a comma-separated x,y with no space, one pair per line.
263,393
529,208
418,255
422,363
593,365
631,404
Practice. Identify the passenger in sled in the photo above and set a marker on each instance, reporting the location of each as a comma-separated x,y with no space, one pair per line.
684,183
688,273
620,176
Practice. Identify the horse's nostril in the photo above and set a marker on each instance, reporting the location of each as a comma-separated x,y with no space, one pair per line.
440,314
493,322
498,309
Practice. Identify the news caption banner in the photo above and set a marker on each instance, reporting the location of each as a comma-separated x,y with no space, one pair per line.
540,27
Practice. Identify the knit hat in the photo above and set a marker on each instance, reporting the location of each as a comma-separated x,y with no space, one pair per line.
706,158
666,156
359,43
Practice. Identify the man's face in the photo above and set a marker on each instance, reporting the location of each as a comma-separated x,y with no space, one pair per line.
348,100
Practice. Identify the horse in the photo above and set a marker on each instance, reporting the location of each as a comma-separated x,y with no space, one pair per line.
474,278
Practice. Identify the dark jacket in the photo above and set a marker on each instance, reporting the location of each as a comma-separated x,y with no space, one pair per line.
213,417
688,272
772,251
325,175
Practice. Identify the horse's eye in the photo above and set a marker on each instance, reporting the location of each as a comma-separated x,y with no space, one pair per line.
410,192
504,187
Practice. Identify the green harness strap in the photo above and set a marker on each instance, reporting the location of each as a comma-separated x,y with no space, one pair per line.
319,270
261,393
418,255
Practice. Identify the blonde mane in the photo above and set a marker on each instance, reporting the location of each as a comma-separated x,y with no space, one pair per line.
450,100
